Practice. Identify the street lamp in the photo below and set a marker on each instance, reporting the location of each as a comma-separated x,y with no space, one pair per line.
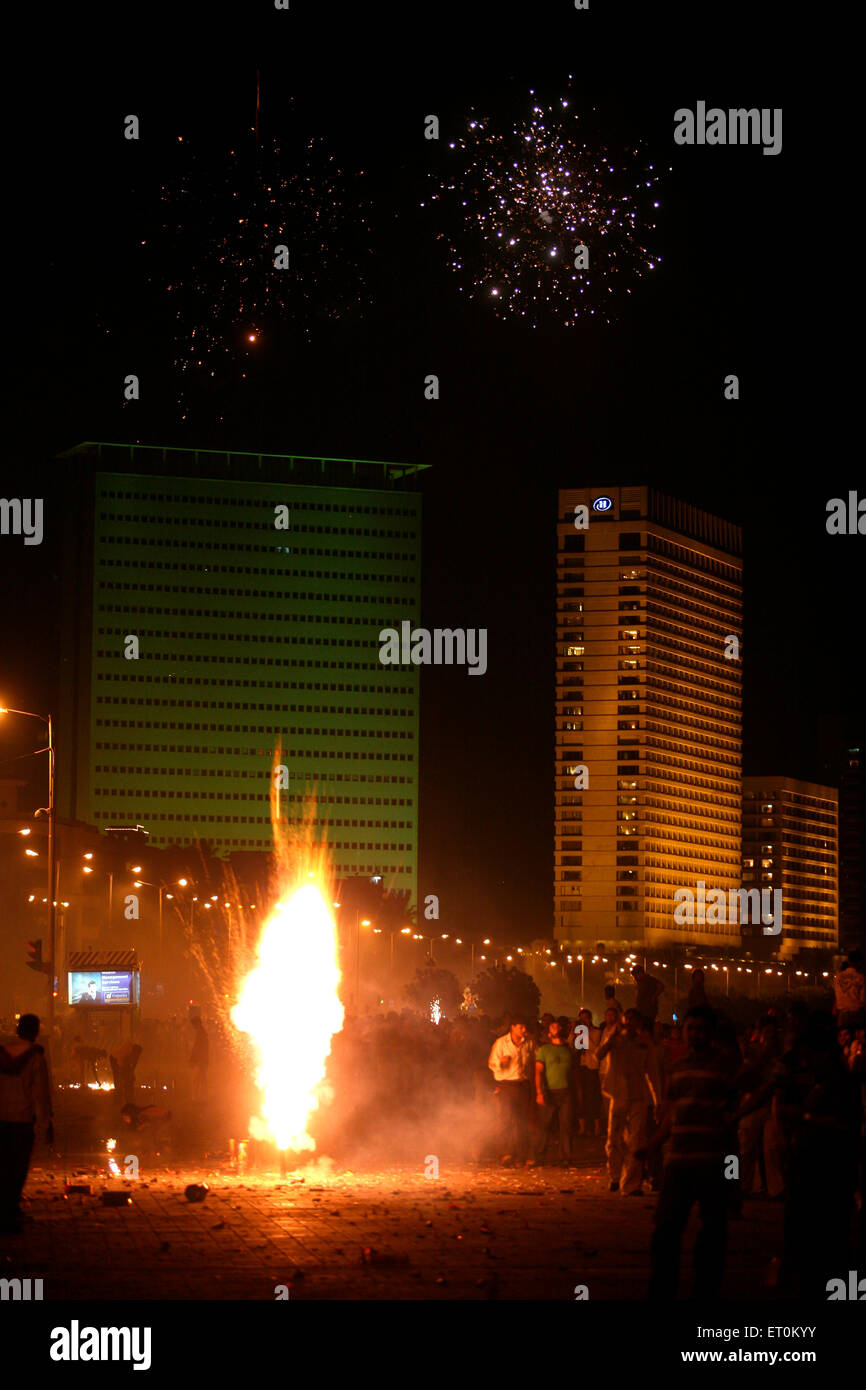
52,852
109,874
361,922
187,883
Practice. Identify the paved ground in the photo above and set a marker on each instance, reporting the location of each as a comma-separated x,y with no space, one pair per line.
475,1233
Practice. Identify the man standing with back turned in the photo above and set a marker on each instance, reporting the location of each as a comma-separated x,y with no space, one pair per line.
25,1113
697,1121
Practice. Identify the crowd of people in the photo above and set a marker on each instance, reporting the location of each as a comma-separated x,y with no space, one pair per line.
172,1052
697,1111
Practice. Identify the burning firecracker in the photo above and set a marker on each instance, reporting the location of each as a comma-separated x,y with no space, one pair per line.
290,1006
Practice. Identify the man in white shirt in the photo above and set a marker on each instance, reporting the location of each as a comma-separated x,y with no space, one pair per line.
511,1061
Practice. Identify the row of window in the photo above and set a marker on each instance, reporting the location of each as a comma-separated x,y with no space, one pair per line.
690,560
365,712
109,813
322,798
250,661
186,841
171,522
199,681
258,615
248,547
194,770
625,575
198,728
261,639
174,566
817,803
672,698
235,501
628,540
323,754
815,842
709,744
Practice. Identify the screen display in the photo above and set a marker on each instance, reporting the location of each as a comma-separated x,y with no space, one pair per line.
92,987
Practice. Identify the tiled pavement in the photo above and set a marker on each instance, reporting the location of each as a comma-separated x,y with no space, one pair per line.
475,1233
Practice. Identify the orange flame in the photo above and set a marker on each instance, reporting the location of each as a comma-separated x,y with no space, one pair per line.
289,1003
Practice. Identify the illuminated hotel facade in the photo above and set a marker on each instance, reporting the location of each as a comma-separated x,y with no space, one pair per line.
249,637
648,717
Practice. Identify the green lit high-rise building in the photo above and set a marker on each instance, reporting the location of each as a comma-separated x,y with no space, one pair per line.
220,604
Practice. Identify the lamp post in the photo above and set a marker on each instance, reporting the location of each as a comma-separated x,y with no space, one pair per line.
143,883
52,853
188,883
360,922
109,874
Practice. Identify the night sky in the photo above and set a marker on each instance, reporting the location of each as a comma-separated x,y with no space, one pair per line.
522,411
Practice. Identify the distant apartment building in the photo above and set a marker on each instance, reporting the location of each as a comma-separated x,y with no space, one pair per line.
790,842
842,766
648,712
254,587
852,852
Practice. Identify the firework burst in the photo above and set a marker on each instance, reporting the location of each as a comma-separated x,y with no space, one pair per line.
257,240
552,226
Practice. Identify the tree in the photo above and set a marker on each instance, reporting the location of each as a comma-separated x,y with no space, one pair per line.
505,989
389,910
432,983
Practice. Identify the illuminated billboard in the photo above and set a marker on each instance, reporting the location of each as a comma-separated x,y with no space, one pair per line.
96,987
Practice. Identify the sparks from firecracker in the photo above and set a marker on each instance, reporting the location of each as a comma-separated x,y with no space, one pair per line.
523,198
256,239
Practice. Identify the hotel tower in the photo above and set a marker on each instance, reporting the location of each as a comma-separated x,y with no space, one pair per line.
648,716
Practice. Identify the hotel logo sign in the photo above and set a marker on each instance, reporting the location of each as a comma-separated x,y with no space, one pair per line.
602,504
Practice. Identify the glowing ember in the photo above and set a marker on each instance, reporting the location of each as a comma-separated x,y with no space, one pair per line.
290,1008
435,1011
113,1166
